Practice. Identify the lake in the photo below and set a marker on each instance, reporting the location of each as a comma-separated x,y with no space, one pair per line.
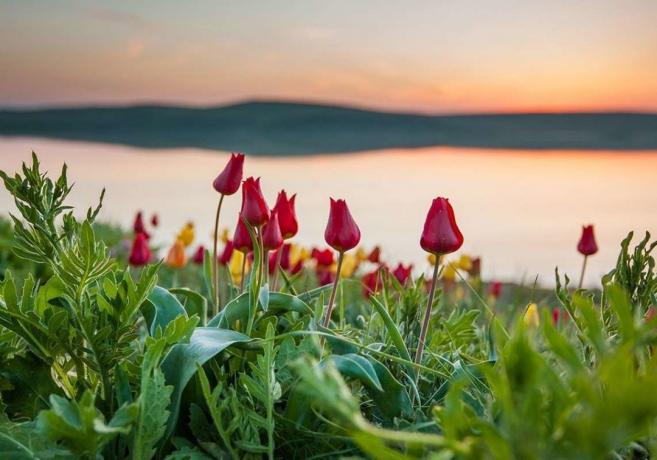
521,211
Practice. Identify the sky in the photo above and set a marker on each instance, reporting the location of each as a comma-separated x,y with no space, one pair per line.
450,56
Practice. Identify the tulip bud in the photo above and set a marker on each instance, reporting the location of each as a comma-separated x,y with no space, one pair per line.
341,233
370,283
176,257
227,253
587,245
199,255
271,233
375,255
324,277
286,250
556,314
531,318
228,182
138,225
495,289
155,220
402,273
324,258
254,207
441,235
140,253
287,217
242,239
475,270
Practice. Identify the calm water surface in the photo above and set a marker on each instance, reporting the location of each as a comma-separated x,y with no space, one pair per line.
520,210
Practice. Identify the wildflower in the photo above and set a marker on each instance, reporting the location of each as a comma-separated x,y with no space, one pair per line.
375,255
402,273
227,253
199,255
140,253
441,235
176,257
228,181
254,207
242,239
138,225
370,283
587,245
495,289
342,234
287,217
531,318
186,235
324,258
272,238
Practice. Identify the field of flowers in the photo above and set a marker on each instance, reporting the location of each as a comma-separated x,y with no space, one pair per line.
259,347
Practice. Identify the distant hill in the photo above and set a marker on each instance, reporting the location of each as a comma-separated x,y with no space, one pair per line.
281,128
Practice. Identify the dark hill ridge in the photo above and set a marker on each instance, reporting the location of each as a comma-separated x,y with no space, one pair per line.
280,128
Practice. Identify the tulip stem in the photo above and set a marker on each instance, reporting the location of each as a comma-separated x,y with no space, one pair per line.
243,271
277,267
427,314
327,319
215,268
581,276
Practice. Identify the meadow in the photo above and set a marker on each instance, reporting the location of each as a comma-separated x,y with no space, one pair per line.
259,347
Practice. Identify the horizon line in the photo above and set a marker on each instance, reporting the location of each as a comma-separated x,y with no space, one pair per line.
317,103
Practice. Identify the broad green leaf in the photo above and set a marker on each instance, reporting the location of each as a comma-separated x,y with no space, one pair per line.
180,363
356,367
160,308
238,308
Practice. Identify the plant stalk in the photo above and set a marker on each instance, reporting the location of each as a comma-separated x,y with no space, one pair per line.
215,269
277,267
327,319
581,276
427,314
243,272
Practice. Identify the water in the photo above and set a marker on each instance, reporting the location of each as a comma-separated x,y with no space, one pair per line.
521,211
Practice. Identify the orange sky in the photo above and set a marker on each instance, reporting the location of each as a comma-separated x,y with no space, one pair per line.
475,56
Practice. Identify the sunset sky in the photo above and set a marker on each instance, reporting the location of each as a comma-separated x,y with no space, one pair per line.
428,56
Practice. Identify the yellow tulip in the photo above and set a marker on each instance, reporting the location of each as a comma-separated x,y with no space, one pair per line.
176,257
449,272
531,318
186,235
225,236
349,265
465,263
235,266
432,259
361,255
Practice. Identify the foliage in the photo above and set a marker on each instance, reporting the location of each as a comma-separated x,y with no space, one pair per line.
98,360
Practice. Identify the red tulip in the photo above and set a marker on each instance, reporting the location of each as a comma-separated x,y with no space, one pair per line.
199,255
254,206
341,232
375,255
140,253
556,313
475,270
138,226
370,283
242,239
324,277
273,255
228,182
155,221
441,235
271,233
285,256
227,253
323,257
402,273
587,245
297,267
287,217
495,289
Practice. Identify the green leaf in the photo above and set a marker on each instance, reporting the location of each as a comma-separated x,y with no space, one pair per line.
238,308
180,364
393,332
194,303
356,367
160,308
